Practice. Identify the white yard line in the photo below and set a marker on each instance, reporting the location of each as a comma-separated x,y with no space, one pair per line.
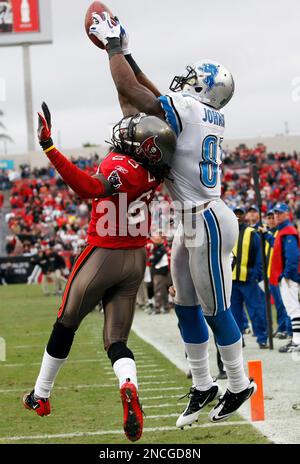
141,377
162,416
165,389
161,397
173,414
144,366
24,347
113,432
88,386
165,405
75,361
97,385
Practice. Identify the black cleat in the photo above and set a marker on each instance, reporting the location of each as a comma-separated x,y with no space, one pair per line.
263,346
230,402
198,400
291,347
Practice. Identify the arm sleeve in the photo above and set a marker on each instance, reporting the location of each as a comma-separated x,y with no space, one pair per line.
80,182
291,257
270,239
257,268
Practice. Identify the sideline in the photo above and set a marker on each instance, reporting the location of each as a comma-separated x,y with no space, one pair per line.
281,374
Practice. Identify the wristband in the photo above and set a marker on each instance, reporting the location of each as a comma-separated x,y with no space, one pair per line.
47,144
114,47
135,68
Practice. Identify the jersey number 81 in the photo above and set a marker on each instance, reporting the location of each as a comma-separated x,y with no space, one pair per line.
209,165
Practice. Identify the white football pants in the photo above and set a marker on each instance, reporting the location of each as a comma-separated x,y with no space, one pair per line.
201,258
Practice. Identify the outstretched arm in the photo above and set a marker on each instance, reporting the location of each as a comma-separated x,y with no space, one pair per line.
128,86
80,182
131,83
140,76
126,107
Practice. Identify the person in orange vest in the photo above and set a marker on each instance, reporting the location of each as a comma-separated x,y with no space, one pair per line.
284,328
285,271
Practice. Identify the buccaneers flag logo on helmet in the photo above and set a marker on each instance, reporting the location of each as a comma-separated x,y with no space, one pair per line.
149,151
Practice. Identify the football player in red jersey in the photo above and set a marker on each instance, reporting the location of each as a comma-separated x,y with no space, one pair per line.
112,266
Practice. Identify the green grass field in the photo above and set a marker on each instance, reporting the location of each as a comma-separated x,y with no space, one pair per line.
85,402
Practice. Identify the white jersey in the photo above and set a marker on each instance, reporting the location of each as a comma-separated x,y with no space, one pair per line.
196,164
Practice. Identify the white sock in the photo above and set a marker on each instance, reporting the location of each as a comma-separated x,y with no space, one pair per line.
197,358
232,357
296,326
296,338
125,368
48,372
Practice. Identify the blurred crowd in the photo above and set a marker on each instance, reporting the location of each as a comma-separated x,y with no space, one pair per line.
279,178
47,217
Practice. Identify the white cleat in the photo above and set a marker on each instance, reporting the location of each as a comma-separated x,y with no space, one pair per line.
198,400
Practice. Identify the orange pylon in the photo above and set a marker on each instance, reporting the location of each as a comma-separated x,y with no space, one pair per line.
257,400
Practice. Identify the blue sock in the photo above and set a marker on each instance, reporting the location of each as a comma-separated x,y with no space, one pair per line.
192,325
224,327
194,332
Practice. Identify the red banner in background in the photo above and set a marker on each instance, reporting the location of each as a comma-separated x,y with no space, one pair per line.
26,16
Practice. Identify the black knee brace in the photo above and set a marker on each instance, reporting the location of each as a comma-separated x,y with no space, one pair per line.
60,341
118,351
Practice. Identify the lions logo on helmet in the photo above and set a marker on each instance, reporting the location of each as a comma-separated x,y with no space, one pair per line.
211,72
149,151
207,81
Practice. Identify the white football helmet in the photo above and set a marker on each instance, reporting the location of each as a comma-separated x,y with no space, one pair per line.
207,81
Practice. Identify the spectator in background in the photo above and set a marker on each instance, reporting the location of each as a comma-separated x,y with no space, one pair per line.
285,271
284,328
253,217
160,274
51,265
42,261
55,266
247,272
5,183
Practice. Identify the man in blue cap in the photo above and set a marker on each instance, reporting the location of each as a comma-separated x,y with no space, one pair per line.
284,328
285,271
253,216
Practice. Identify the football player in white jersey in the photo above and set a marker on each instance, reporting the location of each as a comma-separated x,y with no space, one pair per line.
201,254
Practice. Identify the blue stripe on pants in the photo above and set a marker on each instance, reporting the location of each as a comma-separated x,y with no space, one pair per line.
215,263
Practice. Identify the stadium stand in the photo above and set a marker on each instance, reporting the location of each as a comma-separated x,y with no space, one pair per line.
44,213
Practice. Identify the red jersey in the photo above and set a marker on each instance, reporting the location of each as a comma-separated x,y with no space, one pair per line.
123,220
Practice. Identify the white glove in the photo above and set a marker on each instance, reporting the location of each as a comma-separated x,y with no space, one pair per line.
263,229
104,27
261,285
125,41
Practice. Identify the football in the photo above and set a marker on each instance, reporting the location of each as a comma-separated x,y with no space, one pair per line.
95,7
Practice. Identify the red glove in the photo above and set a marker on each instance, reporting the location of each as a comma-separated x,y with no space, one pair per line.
44,128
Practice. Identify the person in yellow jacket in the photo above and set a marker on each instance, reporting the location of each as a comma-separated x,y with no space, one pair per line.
246,274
